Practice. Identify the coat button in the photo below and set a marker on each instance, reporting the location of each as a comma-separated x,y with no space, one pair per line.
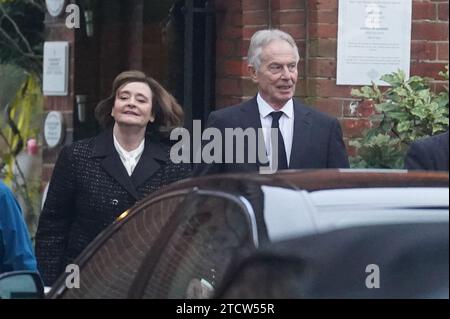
115,202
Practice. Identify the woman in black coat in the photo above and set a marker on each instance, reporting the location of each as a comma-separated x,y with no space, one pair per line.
97,179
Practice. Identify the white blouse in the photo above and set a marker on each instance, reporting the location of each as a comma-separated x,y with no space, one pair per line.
131,158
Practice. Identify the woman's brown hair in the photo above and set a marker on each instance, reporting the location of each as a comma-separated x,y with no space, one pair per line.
168,113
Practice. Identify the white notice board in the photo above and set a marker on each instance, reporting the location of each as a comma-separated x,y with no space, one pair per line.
56,68
374,38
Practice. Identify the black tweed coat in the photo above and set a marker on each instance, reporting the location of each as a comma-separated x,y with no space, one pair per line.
89,189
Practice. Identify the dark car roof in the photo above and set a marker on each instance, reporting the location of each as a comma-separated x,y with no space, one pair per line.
248,184
312,180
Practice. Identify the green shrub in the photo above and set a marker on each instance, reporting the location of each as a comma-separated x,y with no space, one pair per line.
405,111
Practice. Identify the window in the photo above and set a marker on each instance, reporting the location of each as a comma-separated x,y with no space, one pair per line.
212,230
110,271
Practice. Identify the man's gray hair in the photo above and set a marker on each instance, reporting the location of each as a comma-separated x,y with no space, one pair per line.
262,38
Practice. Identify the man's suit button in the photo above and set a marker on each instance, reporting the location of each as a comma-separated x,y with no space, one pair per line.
115,202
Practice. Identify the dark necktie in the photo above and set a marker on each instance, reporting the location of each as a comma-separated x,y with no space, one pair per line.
282,158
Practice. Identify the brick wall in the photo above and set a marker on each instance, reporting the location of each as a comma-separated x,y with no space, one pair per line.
57,31
429,39
313,24
94,62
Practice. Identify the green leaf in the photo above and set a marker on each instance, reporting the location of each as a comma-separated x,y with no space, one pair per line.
406,111
403,126
420,112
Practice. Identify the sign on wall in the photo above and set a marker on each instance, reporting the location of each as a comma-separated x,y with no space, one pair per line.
56,68
55,7
374,38
54,129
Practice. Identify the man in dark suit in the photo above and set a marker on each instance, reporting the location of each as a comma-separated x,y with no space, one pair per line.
430,153
306,138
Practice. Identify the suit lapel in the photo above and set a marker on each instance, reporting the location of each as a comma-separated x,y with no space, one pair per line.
301,137
302,129
149,162
111,163
251,116
251,119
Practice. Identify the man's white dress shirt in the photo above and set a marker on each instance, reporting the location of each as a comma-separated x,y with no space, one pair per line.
286,123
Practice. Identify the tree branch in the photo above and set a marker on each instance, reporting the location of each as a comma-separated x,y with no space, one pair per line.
37,4
16,27
11,40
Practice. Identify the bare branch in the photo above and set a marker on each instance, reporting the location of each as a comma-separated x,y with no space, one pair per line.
11,40
37,4
16,27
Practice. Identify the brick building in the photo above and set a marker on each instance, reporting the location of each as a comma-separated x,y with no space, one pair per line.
197,48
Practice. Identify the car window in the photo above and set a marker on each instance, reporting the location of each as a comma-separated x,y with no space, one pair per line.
196,255
330,199
287,213
376,206
112,268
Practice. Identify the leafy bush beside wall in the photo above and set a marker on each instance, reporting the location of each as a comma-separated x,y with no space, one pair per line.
405,111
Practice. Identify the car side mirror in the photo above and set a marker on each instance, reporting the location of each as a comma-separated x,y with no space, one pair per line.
21,285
